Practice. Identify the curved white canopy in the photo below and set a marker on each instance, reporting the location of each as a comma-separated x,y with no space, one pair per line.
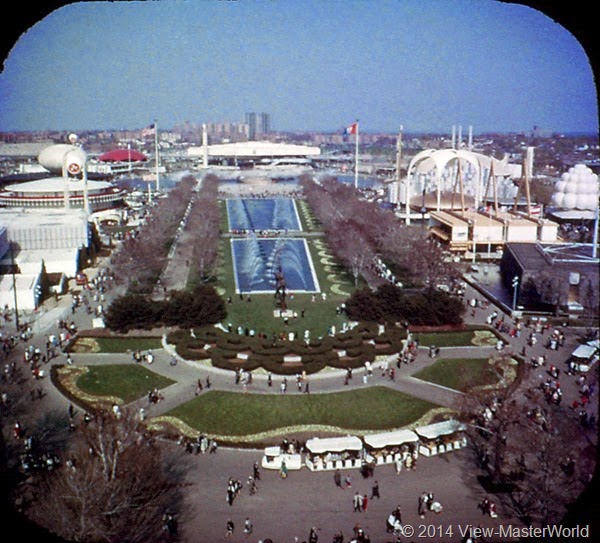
437,429
386,439
317,445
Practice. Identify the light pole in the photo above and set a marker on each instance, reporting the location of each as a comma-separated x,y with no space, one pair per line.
515,285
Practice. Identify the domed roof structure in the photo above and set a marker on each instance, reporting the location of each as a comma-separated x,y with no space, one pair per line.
577,189
123,155
575,195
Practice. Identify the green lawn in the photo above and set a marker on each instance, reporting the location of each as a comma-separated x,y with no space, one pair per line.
238,414
454,339
86,344
129,382
459,373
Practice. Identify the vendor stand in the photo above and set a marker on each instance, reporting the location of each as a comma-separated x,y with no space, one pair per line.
441,437
389,447
274,456
584,357
334,453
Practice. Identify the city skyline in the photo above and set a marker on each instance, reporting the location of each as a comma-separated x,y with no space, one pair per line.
498,67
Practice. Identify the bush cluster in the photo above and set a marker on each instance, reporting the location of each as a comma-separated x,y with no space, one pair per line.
361,344
429,307
199,307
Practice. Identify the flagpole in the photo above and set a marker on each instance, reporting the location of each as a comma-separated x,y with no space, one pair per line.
356,158
156,155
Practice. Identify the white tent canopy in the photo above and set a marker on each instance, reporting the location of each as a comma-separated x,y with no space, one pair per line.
586,351
438,429
386,439
334,444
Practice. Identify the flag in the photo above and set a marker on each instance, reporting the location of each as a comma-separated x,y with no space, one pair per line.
149,130
536,210
352,129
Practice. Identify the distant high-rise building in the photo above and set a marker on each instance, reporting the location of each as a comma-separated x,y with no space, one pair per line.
252,125
265,123
258,124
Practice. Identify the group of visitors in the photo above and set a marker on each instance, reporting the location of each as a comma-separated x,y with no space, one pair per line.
139,357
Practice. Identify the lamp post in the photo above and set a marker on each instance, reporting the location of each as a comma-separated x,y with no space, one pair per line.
515,285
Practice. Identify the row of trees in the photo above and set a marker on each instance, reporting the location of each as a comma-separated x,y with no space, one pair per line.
358,230
203,222
142,256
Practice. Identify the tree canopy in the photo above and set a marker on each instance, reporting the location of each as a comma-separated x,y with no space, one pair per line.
186,309
429,307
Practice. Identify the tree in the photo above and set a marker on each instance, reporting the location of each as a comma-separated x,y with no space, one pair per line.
526,450
198,307
114,485
388,302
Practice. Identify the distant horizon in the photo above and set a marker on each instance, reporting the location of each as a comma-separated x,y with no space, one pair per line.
502,67
542,133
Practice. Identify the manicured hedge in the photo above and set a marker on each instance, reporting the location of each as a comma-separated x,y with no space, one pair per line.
361,344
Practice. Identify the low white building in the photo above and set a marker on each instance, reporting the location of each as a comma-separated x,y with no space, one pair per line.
254,152
28,291
53,236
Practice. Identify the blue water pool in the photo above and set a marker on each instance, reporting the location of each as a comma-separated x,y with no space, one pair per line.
256,261
262,214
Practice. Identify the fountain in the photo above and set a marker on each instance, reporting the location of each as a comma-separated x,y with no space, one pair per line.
259,265
263,214
273,264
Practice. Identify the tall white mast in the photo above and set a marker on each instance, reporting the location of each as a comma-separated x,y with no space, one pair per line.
399,155
205,145
356,157
156,155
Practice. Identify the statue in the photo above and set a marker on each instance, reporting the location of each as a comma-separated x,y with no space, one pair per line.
280,293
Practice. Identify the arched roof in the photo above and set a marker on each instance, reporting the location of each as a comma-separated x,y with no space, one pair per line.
123,155
438,159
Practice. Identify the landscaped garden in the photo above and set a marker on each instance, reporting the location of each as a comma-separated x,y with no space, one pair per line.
233,351
457,338
114,344
107,384
465,374
315,311
231,415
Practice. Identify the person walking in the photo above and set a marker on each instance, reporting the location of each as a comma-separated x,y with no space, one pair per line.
230,528
337,478
248,526
357,502
375,491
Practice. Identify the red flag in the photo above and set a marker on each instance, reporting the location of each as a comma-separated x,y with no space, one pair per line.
352,129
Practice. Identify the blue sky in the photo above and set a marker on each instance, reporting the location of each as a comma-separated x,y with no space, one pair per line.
313,65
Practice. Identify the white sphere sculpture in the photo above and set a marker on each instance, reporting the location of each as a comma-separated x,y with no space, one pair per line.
577,189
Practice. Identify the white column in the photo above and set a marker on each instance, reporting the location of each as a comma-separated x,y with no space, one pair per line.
204,146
